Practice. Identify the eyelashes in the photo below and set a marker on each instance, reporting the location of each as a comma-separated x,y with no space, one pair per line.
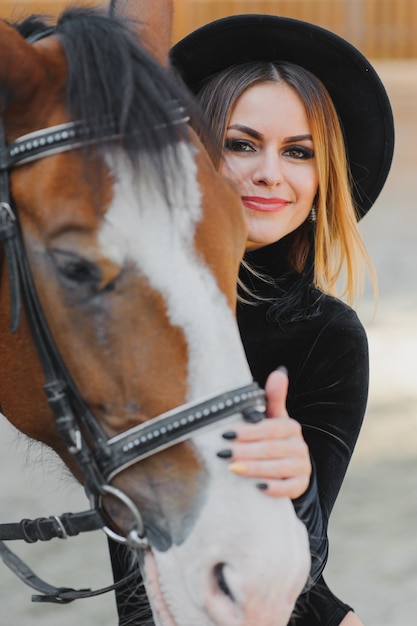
239,145
244,146
299,152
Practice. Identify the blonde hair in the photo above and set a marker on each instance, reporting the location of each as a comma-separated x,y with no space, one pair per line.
340,256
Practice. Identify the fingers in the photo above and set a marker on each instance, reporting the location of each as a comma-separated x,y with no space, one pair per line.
290,488
280,478
270,429
283,468
278,441
276,389
272,450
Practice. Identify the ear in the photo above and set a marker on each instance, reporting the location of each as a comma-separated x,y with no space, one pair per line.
20,68
152,21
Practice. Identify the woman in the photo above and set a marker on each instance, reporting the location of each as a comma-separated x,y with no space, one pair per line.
309,157
282,143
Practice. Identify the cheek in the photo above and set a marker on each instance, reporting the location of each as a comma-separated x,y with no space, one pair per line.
306,185
234,171
314,183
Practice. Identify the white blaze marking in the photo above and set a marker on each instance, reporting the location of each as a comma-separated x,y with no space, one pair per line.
258,537
141,227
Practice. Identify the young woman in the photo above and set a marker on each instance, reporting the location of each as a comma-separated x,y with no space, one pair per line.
305,131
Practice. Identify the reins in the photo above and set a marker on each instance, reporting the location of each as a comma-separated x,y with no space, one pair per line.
100,463
50,593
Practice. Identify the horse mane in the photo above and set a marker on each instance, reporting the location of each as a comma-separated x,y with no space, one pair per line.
112,77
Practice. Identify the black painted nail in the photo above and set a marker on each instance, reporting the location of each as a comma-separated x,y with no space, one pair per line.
230,434
262,486
224,454
253,416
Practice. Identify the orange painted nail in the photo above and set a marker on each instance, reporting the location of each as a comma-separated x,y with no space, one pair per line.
237,468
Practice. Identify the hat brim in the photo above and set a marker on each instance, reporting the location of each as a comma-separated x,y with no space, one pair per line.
357,92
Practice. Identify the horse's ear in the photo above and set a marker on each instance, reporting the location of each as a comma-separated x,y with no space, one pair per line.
153,23
19,67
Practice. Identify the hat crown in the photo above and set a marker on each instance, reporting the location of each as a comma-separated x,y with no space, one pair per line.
359,97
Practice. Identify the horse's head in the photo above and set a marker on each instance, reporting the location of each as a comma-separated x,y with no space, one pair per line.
134,243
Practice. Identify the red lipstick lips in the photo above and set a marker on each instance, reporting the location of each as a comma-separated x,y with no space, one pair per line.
268,205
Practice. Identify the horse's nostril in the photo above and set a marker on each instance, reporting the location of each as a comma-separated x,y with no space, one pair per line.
220,578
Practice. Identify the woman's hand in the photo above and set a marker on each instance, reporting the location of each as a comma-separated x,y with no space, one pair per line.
273,450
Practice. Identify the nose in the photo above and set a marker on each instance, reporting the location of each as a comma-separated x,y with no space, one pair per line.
234,600
268,171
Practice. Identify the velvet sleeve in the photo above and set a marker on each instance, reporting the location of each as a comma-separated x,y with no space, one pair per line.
328,395
327,362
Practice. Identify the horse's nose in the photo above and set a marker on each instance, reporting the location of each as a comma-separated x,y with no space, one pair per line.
225,581
233,598
224,596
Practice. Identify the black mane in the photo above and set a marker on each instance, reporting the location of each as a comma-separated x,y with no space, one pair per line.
111,77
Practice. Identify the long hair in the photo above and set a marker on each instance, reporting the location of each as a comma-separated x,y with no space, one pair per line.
333,244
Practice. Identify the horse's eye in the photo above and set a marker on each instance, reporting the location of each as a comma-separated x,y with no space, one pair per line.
76,270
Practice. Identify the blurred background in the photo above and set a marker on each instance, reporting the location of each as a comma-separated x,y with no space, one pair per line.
373,536
379,28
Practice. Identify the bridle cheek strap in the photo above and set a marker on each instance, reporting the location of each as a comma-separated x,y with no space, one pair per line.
72,416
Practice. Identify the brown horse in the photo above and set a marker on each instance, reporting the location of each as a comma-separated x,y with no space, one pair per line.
125,244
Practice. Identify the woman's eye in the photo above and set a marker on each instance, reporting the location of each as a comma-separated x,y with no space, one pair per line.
238,145
298,152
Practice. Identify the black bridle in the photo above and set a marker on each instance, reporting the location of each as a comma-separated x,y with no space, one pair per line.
100,461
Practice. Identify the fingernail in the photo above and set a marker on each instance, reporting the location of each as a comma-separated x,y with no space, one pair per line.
262,486
237,468
282,369
224,454
253,416
229,435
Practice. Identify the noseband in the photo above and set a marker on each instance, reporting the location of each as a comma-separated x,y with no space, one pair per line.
104,458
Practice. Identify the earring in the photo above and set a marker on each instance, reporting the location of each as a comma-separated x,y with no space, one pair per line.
313,214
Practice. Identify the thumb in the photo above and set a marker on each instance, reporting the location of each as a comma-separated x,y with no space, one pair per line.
276,389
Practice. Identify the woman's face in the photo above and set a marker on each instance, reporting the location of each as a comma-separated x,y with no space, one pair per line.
269,155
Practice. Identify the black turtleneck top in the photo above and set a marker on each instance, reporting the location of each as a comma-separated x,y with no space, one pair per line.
325,351
326,355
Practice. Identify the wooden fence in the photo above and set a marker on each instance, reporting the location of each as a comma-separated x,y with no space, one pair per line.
379,28
16,9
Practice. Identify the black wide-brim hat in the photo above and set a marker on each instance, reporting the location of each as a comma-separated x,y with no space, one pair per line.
357,92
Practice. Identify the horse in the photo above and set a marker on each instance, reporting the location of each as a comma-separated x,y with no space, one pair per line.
119,345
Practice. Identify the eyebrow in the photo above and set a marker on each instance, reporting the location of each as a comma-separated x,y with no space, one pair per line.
298,138
254,133
245,129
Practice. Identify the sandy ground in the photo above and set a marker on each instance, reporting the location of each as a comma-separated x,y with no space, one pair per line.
373,559
373,536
